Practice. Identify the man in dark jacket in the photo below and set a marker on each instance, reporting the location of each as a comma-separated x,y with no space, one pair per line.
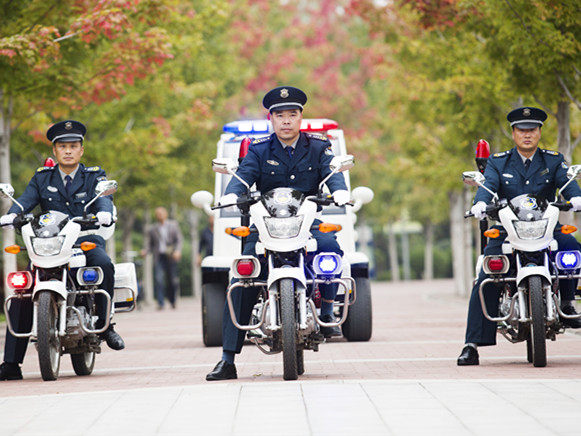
521,170
66,188
287,158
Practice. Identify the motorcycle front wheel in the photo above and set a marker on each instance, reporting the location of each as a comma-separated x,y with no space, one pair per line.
536,343
48,343
289,329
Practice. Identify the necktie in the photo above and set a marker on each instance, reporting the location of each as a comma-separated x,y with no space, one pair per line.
527,164
68,181
290,151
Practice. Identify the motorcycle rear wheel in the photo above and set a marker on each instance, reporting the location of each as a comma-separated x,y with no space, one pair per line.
537,340
48,343
83,363
289,329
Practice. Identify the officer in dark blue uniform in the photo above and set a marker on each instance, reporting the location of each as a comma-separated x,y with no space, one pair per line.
287,158
523,169
66,188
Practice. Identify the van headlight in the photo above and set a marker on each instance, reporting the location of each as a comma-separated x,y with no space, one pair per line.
48,246
283,227
530,229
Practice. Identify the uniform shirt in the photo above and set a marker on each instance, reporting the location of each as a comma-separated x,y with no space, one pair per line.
268,165
46,188
506,175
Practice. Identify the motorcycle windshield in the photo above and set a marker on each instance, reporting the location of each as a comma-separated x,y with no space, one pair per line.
529,207
282,202
49,224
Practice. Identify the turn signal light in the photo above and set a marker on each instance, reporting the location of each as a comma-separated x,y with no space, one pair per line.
492,233
328,227
88,246
567,229
238,231
13,249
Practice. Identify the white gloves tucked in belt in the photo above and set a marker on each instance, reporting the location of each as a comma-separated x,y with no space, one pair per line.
228,199
7,220
479,210
104,218
576,203
341,197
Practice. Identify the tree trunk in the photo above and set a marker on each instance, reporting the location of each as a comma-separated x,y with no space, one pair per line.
194,220
457,241
392,250
565,146
8,238
127,219
429,251
563,131
147,278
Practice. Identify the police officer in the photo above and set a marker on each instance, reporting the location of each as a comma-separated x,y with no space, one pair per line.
66,188
523,169
287,158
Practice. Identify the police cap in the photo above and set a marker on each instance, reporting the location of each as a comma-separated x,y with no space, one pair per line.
66,131
526,117
284,97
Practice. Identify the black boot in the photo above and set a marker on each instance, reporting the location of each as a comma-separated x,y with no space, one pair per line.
114,341
569,309
10,371
329,332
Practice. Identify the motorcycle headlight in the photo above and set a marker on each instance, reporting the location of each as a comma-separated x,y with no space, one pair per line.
530,229
48,246
283,227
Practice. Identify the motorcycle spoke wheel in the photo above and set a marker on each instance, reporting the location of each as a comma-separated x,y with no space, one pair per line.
48,342
538,330
289,329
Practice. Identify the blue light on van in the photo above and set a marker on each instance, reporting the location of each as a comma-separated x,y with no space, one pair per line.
247,127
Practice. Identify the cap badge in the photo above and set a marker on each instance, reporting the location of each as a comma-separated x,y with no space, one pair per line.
526,112
68,125
284,93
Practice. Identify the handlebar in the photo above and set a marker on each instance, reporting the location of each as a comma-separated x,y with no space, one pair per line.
325,200
562,205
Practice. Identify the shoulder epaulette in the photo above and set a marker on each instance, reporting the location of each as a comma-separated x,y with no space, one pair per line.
260,140
501,154
316,136
550,152
92,169
41,169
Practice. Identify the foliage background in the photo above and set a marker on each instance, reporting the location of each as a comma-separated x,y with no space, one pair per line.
414,84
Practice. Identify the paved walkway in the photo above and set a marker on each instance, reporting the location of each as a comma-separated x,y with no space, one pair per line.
403,382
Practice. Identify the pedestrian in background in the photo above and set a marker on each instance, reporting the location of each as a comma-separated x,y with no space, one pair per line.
165,242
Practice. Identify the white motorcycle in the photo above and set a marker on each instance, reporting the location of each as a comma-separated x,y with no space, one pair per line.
62,287
529,268
285,317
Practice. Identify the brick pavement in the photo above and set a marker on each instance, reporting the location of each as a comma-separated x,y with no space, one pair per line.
408,369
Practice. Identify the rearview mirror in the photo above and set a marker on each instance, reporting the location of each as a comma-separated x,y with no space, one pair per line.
574,171
106,187
473,178
6,190
224,166
342,163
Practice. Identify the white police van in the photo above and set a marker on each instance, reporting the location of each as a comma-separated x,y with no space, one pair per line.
216,268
